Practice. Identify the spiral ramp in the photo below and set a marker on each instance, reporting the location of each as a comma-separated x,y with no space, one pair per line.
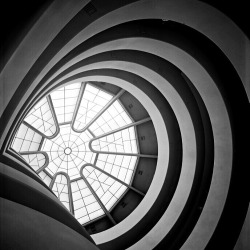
186,63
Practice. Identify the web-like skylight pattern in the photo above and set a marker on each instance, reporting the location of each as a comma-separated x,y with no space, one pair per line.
123,141
36,161
60,189
26,139
40,117
76,141
113,118
68,151
107,189
86,207
45,177
119,166
64,102
92,102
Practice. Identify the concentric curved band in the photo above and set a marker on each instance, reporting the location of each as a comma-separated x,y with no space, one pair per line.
175,70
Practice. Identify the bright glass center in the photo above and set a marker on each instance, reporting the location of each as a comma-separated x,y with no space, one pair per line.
67,151
89,152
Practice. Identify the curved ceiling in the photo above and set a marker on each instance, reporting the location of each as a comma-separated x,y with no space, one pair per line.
85,145
186,70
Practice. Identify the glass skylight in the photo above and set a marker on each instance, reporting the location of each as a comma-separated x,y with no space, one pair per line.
123,141
36,160
41,118
26,139
92,102
68,151
60,187
83,144
64,102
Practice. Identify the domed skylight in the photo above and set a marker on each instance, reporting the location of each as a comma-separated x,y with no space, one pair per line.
83,144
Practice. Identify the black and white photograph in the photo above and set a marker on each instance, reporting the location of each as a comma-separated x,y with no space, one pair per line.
124,125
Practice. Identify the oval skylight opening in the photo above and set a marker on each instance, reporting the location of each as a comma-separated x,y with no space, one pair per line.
83,143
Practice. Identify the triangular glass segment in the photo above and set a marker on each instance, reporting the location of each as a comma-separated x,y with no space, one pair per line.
64,101
40,117
123,141
92,102
86,207
35,160
26,139
113,118
60,189
121,167
107,189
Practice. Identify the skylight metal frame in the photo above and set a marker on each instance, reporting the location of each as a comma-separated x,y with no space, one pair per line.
116,179
76,144
43,170
118,130
24,137
71,205
48,99
38,152
98,114
96,196
64,99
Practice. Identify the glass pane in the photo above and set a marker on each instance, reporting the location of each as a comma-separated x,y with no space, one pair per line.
113,118
119,166
26,139
123,141
36,161
104,186
86,206
68,151
60,189
64,101
40,117
92,102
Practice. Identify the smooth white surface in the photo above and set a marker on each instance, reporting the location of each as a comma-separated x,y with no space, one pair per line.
163,155
220,29
218,115
192,13
197,15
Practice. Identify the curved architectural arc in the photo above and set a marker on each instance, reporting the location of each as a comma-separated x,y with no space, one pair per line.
191,159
